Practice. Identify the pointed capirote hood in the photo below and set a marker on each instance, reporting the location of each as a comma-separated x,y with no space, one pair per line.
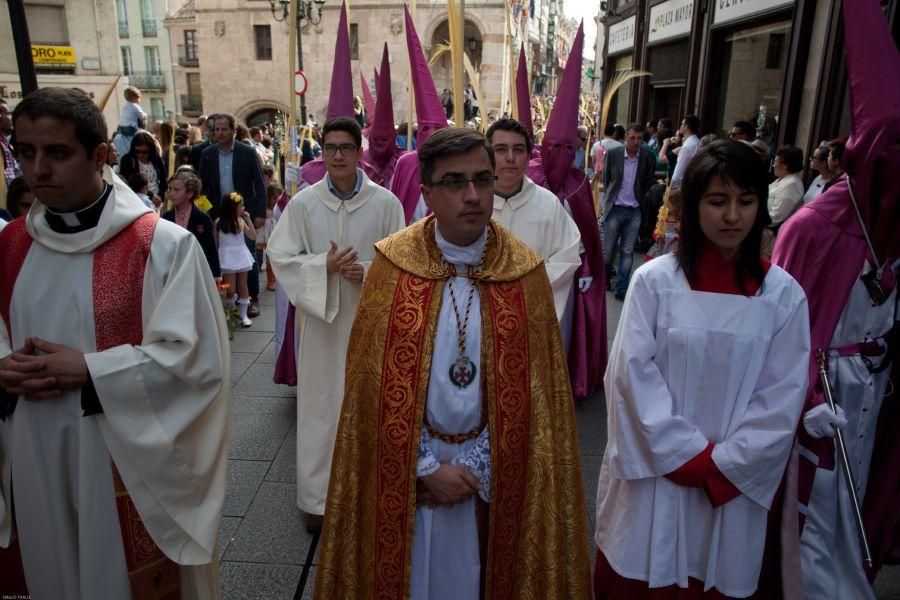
523,96
340,102
430,115
563,121
561,135
368,100
382,136
384,103
871,158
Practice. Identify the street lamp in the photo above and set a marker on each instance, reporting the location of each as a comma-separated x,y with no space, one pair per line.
304,12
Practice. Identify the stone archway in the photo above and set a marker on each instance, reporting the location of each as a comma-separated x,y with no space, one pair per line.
260,112
441,71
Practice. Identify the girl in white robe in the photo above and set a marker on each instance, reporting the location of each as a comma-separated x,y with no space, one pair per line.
705,385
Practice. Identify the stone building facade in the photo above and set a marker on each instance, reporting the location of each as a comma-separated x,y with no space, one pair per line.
81,30
145,54
243,52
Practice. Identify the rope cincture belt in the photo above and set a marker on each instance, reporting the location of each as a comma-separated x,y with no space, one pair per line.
455,438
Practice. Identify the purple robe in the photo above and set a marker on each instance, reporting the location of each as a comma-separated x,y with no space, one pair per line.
823,248
382,174
406,183
587,349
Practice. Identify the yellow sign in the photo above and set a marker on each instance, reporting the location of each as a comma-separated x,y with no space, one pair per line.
56,56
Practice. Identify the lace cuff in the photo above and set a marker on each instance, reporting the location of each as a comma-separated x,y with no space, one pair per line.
427,463
478,462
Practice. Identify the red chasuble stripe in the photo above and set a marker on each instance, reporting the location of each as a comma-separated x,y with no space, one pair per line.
15,242
398,432
118,286
509,448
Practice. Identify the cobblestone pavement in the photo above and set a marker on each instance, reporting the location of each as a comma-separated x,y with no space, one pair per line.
263,545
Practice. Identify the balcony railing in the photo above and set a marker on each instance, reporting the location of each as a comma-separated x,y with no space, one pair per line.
191,106
187,55
123,29
149,27
148,81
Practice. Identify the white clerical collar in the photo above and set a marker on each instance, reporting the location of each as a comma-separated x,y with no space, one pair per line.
81,219
516,199
460,255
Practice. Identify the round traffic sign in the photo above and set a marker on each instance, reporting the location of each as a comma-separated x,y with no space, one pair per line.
300,83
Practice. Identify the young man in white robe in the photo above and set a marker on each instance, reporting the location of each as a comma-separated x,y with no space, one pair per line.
115,377
320,250
535,215
705,386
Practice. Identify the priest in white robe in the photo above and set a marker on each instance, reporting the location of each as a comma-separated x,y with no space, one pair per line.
535,215
320,250
115,378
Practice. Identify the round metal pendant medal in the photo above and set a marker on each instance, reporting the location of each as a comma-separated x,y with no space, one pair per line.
462,372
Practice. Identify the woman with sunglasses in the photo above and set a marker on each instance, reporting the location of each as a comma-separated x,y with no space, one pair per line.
705,385
144,158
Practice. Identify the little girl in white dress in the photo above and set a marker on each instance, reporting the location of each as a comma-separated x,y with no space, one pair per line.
232,227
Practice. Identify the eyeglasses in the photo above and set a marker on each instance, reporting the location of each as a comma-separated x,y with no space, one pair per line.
458,184
345,149
584,139
142,152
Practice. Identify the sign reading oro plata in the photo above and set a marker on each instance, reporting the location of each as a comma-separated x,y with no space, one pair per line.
55,56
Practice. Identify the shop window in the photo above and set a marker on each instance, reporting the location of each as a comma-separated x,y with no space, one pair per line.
618,110
669,62
751,78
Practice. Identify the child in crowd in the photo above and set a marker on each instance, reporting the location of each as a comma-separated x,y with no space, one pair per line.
273,192
131,120
182,191
138,184
235,260
667,224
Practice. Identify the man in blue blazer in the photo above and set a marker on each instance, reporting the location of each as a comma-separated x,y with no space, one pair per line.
628,173
227,167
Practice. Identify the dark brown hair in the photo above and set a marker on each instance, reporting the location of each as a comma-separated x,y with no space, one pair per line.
512,125
228,221
450,141
738,165
345,124
66,104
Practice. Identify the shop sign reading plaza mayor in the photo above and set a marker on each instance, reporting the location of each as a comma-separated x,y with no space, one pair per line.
670,19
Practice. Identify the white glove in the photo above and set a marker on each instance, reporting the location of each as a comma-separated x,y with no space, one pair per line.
820,422
584,284
292,173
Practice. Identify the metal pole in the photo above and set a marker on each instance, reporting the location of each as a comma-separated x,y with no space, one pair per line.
300,13
845,462
22,43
